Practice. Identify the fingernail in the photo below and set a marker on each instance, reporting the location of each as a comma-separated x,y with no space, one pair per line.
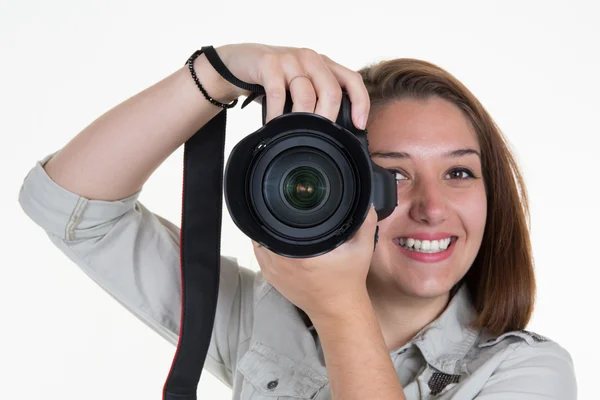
362,122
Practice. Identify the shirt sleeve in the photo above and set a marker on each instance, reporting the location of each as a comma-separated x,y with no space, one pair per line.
531,372
133,254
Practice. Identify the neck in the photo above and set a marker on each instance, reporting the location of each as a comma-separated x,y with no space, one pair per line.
401,316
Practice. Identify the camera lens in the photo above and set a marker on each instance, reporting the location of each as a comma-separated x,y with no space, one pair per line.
302,187
305,188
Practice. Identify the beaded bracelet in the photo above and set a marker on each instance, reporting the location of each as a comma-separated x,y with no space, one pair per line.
190,63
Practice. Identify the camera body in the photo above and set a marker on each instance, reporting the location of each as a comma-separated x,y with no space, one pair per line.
302,185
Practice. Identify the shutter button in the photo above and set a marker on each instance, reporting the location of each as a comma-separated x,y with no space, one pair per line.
273,384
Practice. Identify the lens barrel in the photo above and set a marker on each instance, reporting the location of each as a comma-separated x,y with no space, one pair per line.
302,185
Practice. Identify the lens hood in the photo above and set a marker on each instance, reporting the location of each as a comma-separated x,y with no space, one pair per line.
302,185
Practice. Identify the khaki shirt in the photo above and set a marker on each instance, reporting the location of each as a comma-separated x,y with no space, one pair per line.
261,346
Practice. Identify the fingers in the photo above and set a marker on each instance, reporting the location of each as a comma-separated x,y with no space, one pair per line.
273,80
259,253
327,87
299,83
366,232
355,87
260,249
315,83
312,85
303,94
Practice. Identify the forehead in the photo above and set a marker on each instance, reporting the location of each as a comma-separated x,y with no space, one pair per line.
422,127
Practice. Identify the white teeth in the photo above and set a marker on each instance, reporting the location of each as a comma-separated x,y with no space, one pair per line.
424,246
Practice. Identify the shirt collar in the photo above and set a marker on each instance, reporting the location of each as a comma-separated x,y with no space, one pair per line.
447,339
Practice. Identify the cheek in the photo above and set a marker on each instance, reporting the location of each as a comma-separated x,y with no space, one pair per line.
391,225
471,207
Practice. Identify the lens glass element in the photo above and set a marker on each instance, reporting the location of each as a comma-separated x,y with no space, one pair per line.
302,187
305,188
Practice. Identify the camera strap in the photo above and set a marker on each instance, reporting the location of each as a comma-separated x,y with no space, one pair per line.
200,243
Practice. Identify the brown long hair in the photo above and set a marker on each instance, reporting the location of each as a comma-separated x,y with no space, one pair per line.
501,280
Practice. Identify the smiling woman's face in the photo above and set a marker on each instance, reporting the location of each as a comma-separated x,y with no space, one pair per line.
431,239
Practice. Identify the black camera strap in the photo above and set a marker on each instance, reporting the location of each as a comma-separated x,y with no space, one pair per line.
200,243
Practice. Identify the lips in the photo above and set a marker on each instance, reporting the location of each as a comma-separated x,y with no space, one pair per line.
435,256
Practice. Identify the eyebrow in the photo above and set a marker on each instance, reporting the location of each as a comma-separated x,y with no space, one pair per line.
403,155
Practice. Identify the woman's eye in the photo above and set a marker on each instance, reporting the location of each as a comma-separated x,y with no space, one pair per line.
398,174
460,173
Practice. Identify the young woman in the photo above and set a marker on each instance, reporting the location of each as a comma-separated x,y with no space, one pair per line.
438,310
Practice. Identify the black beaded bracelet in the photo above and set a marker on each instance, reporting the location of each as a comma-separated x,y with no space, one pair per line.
190,63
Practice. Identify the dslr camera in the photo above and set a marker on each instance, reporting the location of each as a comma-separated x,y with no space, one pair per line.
302,185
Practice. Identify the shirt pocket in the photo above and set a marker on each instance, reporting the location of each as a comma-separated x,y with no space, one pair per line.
270,376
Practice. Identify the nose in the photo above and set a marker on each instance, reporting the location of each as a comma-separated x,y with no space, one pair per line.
428,204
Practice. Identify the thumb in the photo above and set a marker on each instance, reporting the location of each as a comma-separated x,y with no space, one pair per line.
366,232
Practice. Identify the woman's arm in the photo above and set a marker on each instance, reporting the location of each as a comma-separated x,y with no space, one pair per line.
114,156
358,362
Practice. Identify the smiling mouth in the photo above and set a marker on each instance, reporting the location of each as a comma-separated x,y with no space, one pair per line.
426,246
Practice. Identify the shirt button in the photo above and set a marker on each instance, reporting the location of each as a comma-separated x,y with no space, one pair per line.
273,384
402,351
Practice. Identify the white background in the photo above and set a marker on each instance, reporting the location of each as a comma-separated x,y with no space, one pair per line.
533,64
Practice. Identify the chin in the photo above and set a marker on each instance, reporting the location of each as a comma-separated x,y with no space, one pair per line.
425,289
413,278
415,282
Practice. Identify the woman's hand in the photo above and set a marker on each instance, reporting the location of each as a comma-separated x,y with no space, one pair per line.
328,283
325,285
315,81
